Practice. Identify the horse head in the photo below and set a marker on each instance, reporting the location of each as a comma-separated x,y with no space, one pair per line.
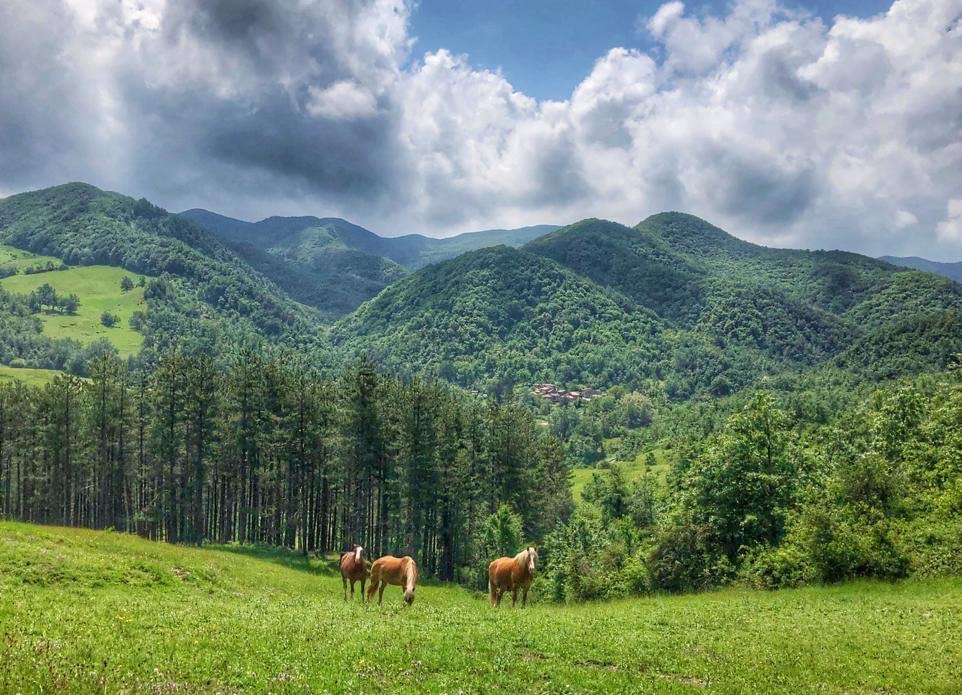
358,553
532,558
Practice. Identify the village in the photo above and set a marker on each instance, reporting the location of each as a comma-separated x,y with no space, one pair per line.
551,393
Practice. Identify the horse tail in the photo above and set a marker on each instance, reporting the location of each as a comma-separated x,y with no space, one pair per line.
375,578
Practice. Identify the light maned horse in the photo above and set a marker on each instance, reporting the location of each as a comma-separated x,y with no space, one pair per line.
511,574
400,571
354,569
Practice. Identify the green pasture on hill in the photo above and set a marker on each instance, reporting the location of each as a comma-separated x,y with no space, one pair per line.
632,470
98,287
21,260
31,377
84,611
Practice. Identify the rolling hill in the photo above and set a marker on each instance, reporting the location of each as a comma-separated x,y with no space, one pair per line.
726,312
199,290
334,265
953,271
502,313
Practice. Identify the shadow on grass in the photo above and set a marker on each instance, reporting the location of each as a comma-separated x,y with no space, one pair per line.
322,565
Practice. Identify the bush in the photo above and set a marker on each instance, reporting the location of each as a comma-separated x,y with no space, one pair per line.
109,320
687,558
777,568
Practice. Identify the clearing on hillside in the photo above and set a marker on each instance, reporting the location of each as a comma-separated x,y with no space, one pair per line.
87,611
632,470
21,261
98,287
31,377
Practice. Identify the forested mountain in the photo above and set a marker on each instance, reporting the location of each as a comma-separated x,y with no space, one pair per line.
726,312
507,316
197,289
334,265
953,271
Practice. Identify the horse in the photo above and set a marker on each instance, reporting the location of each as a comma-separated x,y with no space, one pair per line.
354,569
400,571
511,574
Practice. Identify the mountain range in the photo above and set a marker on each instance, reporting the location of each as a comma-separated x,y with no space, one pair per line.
949,270
334,265
673,304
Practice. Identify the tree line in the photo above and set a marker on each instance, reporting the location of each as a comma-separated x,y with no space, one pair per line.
257,448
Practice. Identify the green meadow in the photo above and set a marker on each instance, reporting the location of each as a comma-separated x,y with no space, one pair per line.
86,611
98,287
632,470
21,260
31,377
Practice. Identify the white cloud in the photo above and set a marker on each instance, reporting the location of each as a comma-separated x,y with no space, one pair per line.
766,121
343,99
950,229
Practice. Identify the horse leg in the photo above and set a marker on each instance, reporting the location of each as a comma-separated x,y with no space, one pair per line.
372,589
493,591
363,582
344,581
514,596
500,595
352,589
380,594
524,597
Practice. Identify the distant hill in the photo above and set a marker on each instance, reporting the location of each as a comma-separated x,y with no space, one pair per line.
334,265
199,289
505,314
949,270
719,313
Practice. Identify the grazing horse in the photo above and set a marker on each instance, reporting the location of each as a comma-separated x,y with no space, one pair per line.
354,569
400,571
511,574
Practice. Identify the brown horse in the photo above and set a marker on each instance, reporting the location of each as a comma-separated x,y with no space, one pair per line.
354,569
400,571
511,574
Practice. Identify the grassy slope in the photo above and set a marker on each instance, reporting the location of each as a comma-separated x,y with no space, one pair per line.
31,377
98,287
11,257
633,470
88,611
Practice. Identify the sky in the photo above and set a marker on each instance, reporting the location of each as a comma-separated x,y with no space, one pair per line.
545,49
813,124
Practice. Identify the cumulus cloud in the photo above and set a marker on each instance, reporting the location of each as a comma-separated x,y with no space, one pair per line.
769,122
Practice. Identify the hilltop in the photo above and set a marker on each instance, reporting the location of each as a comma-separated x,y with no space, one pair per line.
334,265
718,313
197,290
953,271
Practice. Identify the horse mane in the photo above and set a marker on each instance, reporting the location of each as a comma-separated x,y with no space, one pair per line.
411,575
522,559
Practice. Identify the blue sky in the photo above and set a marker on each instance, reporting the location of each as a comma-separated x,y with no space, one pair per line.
545,49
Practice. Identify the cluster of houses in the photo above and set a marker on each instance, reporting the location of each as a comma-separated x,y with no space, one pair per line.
550,392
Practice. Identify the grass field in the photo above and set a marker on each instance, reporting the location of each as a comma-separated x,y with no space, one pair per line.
632,470
98,287
21,260
31,377
84,611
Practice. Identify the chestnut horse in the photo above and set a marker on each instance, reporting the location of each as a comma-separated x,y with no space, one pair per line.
400,571
354,569
511,574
